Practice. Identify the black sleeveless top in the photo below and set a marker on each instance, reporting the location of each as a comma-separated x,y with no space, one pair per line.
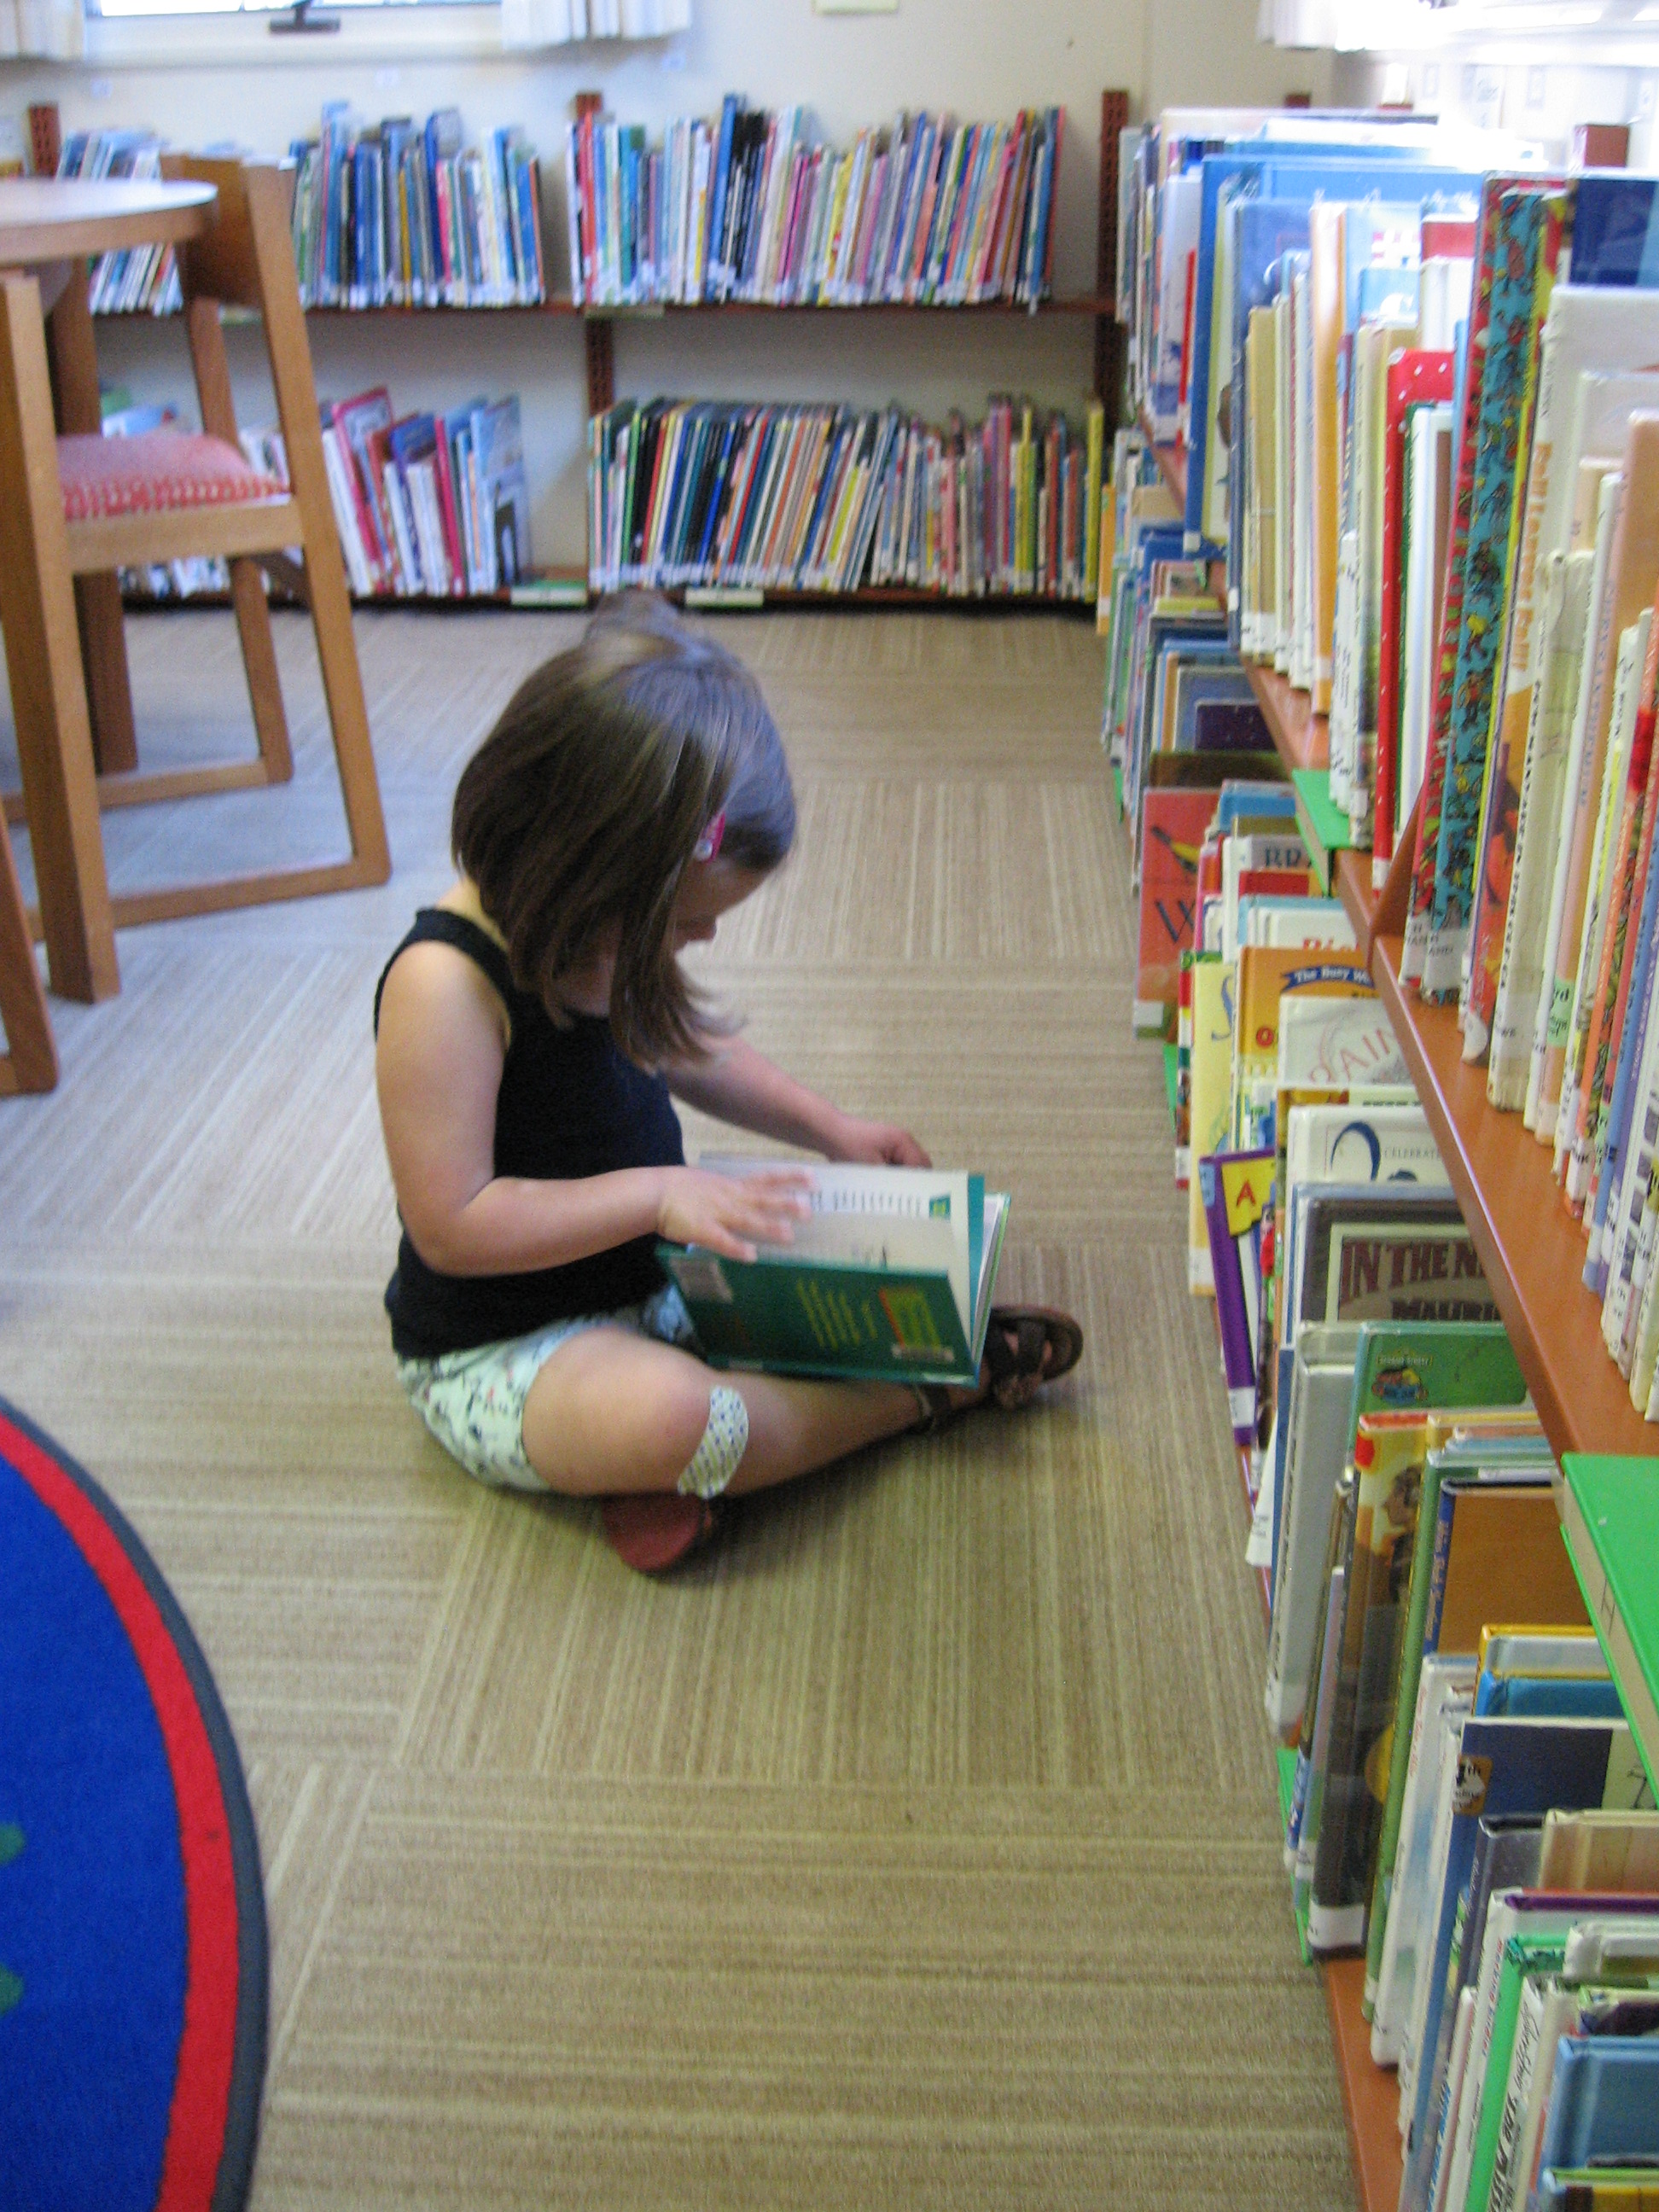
570,1104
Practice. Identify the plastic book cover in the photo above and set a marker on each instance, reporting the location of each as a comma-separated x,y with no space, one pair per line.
1628,593
1602,2103
1467,412
1331,1044
889,1279
1196,687
1237,1192
1415,377
1173,825
1388,1256
1267,976
1389,1453
1529,231
1502,1766
1213,988
1314,1420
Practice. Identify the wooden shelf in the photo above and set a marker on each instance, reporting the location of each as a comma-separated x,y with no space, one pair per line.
1352,886
1371,2096
1303,737
1087,304
1530,1246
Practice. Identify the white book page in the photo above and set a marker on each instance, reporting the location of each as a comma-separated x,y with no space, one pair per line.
878,1216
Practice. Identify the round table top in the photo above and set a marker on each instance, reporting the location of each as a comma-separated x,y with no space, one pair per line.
55,218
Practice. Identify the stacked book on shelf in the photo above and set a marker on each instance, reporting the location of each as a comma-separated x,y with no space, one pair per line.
1421,421
136,279
404,215
428,506
1467,1705
751,206
836,498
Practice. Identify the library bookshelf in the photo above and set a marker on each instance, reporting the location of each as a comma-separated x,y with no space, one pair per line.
1532,1253
599,323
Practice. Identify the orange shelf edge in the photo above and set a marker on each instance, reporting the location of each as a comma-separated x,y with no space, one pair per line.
1353,887
1531,1248
1303,737
1369,2095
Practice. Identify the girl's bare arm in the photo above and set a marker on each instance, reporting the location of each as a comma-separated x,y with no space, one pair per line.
438,1070
740,1085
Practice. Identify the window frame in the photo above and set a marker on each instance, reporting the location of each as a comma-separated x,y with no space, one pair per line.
382,31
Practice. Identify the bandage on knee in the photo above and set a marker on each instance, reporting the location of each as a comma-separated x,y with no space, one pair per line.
724,1441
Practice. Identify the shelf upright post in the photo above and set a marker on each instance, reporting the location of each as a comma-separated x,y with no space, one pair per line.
1109,335
598,343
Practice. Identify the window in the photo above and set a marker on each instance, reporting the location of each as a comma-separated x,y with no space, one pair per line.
110,8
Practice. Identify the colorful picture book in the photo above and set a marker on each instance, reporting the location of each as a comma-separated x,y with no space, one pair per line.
750,205
889,1279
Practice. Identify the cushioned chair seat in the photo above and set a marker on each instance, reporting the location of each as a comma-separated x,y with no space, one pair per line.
158,470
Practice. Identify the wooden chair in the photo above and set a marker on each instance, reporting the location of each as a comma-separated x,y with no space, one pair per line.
30,1061
133,502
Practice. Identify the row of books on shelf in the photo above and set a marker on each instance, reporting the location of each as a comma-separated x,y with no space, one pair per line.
1466,515
751,206
135,279
407,215
433,506
429,506
1466,1781
833,498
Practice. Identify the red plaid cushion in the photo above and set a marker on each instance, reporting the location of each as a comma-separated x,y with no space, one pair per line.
152,473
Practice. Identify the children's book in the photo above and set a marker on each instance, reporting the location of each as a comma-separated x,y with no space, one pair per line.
1173,823
1237,1188
889,1279
1501,1767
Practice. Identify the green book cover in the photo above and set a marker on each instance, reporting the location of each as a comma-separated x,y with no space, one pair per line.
1325,827
1522,1956
889,1279
1403,1365
1610,1519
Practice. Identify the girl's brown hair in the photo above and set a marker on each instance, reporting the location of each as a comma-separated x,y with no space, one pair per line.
582,809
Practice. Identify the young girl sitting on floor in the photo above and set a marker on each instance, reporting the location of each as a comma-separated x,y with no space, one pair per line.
533,1029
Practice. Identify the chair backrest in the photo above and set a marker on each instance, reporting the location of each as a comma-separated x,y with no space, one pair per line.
247,259
248,252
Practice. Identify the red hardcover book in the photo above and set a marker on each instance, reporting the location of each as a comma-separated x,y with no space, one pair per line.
356,420
449,513
1173,823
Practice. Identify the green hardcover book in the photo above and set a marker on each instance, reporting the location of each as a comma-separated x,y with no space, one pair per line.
1610,1518
1324,825
889,1279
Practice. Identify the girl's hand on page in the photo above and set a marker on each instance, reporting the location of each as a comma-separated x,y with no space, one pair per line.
876,1145
732,1214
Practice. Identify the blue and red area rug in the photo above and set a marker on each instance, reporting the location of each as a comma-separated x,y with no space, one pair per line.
132,1924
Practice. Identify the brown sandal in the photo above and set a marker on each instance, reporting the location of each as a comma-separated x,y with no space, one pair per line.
1025,1347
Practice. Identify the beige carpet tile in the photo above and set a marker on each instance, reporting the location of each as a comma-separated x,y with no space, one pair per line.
873,1996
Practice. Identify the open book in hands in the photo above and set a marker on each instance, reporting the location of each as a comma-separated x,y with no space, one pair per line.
889,1279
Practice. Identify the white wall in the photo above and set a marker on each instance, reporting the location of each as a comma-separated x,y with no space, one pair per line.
977,58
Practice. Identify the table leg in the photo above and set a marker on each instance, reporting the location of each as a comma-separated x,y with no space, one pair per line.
73,353
43,660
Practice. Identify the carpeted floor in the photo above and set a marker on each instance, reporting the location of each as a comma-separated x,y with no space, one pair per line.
916,1849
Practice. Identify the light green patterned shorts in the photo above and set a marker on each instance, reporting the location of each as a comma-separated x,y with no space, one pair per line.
473,1400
